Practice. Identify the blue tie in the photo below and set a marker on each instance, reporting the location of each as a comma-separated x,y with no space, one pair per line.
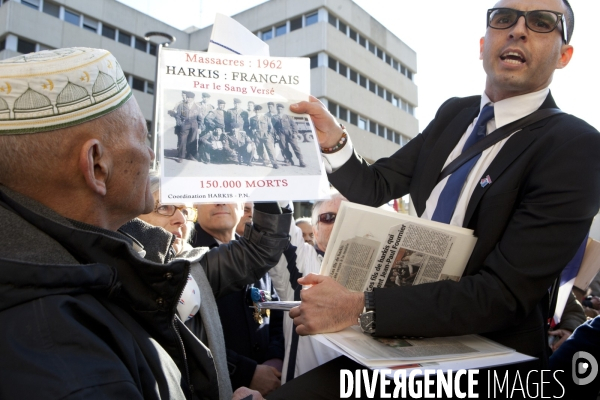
449,196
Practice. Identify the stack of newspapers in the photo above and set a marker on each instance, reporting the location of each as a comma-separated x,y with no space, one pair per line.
373,248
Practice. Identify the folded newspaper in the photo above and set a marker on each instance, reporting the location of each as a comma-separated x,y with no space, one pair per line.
372,248
392,352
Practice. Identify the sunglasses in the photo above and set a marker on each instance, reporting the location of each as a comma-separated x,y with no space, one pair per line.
327,218
168,210
541,21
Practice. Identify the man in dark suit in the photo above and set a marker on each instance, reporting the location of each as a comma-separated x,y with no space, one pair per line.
530,198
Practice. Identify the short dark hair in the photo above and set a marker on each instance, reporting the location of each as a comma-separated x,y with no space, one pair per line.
570,17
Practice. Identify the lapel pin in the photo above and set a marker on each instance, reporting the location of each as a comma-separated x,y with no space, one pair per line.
485,181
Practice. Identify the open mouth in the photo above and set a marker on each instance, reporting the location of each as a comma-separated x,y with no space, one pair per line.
512,57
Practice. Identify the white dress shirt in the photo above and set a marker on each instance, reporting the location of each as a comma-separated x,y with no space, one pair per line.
505,112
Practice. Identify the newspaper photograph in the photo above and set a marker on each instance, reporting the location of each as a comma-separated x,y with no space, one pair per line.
226,131
371,248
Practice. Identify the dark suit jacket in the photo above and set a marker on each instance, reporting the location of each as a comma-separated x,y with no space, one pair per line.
529,222
248,343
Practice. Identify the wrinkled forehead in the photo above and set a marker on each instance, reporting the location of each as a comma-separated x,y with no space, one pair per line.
528,5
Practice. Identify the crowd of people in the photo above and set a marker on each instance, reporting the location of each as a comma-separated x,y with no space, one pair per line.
235,136
105,292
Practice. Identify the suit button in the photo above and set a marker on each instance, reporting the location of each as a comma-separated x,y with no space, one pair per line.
160,302
168,276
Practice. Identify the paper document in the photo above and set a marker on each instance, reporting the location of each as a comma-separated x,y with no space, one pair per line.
372,248
385,352
230,37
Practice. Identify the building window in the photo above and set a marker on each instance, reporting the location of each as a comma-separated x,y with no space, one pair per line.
124,38
312,19
380,131
380,92
362,41
25,46
109,32
353,76
281,30
31,3
90,24
296,23
409,74
395,64
2,44
363,81
314,61
372,48
402,69
267,35
332,107
342,27
51,9
342,69
372,87
411,110
332,20
140,44
388,96
380,53
42,47
362,124
395,101
373,127
71,17
353,118
343,113
332,64
149,87
353,34
137,84
388,59
152,49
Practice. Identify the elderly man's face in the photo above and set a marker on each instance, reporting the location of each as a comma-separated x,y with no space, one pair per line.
219,217
323,230
128,189
518,60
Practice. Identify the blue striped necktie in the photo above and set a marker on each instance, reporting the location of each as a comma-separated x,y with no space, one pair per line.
449,195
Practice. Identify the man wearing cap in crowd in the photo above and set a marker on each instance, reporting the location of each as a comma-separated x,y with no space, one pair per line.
205,108
216,118
261,128
173,113
241,144
188,115
286,129
88,311
233,117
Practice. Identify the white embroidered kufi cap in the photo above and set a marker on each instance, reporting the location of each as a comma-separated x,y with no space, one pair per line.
55,89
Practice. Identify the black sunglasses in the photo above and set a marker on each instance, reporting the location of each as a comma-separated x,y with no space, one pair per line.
541,21
327,218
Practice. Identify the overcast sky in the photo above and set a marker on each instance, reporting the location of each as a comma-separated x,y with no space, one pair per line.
445,35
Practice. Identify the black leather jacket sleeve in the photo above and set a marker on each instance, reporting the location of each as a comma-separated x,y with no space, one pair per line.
231,266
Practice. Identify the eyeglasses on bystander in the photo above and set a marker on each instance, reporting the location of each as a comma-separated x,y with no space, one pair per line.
168,210
327,218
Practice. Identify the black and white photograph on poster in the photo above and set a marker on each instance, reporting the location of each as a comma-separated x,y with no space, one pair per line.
234,137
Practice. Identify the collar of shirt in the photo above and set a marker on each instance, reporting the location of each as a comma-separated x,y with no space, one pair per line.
513,108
